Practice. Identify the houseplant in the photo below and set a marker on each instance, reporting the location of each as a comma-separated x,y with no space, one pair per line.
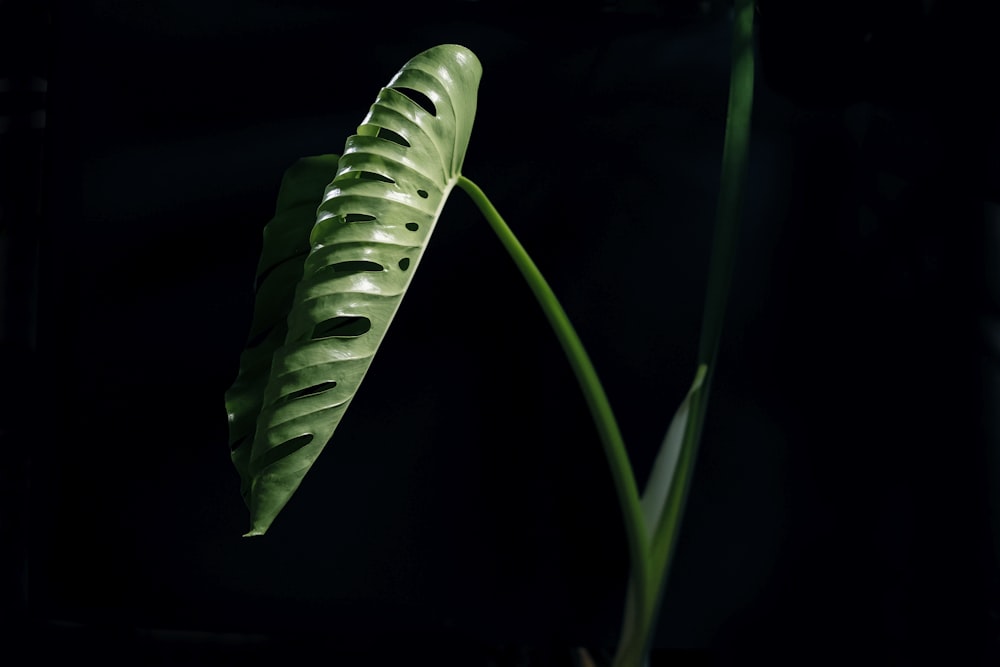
331,278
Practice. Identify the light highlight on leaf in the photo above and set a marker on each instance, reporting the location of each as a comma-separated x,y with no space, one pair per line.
371,228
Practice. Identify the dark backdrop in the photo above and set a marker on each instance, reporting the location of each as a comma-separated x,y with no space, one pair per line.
841,504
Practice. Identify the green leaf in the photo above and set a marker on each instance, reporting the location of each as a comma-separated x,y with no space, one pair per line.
284,250
665,496
661,478
371,229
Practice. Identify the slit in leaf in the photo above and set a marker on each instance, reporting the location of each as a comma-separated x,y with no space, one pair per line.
260,337
343,326
412,226
418,98
394,137
279,452
239,443
374,176
346,268
263,275
311,391
358,217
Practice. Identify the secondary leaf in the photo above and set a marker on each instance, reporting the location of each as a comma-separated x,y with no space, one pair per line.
661,478
371,229
284,250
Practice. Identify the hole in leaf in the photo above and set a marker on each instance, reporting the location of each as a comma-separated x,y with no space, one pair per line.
374,176
394,137
298,257
346,268
358,217
346,326
419,98
260,337
404,263
311,391
422,193
283,450
412,226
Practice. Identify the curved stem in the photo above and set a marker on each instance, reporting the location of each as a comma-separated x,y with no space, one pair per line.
652,555
593,391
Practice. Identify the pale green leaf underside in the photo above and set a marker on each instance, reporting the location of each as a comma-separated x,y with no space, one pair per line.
661,477
371,228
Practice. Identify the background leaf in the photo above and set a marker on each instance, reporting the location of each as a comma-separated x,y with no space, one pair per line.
285,246
661,477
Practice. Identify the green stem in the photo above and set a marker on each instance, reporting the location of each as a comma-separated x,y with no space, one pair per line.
597,400
652,555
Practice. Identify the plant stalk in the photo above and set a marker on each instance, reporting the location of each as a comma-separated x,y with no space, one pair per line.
651,555
596,399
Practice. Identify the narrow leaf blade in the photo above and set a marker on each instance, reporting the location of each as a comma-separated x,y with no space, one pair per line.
654,497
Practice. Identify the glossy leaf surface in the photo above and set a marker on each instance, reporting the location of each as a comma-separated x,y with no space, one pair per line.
371,228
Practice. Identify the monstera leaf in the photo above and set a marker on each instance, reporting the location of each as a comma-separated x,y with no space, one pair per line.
370,230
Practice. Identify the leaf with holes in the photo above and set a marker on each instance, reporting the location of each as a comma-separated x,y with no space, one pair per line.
371,229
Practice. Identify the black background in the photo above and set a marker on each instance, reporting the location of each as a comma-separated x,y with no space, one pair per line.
841,504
